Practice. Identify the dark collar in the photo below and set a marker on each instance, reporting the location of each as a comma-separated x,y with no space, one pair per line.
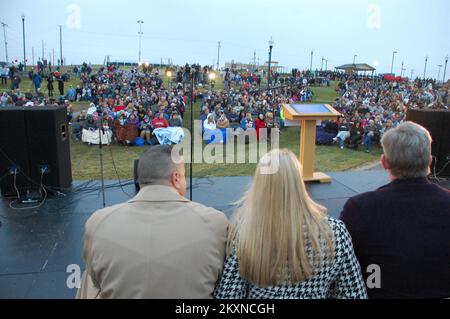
408,181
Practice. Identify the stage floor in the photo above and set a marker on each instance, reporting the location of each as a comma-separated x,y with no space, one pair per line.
37,246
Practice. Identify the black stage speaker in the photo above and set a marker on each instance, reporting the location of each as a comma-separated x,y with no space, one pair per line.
437,122
49,145
34,139
14,156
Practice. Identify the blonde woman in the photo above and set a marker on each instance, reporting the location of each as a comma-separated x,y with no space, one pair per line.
282,244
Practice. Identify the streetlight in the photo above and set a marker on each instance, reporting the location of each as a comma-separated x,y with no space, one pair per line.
392,64
403,69
354,58
425,69
270,61
140,22
212,78
169,78
24,50
439,72
445,68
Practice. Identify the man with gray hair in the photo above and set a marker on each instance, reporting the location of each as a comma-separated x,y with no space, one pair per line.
158,244
401,232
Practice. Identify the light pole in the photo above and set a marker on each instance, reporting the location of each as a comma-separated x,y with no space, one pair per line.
354,59
326,65
218,55
212,78
140,22
310,67
60,46
439,72
4,25
401,69
270,61
392,64
321,65
445,68
24,50
169,78
412,73
425,69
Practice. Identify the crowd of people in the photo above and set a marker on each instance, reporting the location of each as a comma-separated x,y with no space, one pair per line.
135,102
370,108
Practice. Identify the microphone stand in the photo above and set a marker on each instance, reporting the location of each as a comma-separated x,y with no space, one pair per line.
191,102
101,131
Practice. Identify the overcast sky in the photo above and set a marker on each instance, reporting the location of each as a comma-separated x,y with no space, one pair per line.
188,31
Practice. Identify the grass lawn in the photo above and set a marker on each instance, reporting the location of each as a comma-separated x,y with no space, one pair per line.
85,159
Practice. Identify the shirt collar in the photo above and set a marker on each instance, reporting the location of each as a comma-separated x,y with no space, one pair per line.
403,181
158,193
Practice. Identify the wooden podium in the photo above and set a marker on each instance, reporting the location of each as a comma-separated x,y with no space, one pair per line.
307,116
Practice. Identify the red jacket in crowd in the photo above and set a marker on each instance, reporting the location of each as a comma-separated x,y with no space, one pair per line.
158,123
259,124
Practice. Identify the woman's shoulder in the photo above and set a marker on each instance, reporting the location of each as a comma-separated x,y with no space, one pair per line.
338,228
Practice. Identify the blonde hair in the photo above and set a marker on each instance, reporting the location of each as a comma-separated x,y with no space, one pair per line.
280,234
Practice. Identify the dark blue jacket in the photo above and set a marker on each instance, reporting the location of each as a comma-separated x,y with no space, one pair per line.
404,227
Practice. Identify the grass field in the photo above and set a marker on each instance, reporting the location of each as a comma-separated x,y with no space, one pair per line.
85,159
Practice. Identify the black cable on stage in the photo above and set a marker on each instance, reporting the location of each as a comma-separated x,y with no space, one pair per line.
117,173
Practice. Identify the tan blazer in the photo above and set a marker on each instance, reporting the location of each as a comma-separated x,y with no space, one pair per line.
157,245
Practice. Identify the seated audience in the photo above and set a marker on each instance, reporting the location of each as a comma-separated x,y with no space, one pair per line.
343,134
160,121
175,120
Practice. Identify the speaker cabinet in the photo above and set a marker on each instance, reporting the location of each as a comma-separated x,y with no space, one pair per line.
34,139
14,154
437,122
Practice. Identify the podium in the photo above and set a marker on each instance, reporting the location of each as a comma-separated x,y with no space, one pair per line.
307,116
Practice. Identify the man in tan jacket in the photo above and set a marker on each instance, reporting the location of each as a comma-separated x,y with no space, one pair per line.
157,245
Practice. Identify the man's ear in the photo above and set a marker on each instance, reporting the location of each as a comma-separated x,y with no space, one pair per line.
384,162
175,180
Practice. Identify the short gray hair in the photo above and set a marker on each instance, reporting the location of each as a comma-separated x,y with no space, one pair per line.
407,149
156,165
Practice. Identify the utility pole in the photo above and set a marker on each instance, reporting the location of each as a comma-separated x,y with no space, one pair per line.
392,64
218,55
43,52
60,45
439,72
254,61
4,25
321,65
310,67
445,68
401,70
425,69
24,49
140,22
53,57
326,65
270,62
